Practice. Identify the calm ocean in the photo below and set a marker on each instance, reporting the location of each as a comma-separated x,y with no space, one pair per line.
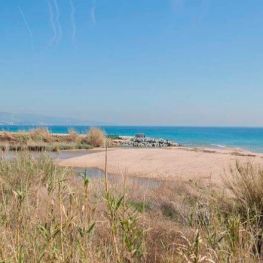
245,138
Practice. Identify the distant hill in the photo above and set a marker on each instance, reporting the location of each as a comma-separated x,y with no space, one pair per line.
7,118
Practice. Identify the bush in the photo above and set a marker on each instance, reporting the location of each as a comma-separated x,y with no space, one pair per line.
72,136
95,137
41,134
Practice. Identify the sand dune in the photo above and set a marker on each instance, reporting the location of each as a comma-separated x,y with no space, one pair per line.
168,163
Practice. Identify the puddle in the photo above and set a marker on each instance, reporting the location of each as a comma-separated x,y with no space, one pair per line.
89,172
131,180
54,155
63,155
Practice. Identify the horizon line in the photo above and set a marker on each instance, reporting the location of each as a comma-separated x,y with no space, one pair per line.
133,125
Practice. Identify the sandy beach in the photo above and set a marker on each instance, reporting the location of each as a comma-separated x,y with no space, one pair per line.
168,163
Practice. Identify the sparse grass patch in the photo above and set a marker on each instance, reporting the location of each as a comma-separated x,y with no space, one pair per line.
114,137
169,211
140,206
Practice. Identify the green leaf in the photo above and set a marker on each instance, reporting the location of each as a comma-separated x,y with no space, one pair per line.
119,203
91,228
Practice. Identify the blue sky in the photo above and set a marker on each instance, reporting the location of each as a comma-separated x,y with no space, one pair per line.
156,62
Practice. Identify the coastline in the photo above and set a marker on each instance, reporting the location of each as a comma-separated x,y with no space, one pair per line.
249,138
239,151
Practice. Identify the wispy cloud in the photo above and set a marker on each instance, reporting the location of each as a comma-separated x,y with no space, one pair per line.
54,19
93,13
60,33
73,20
52,22
27,26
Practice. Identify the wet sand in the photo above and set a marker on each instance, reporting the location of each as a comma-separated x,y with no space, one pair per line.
168,163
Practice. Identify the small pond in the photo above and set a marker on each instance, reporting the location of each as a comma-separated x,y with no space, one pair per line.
98,173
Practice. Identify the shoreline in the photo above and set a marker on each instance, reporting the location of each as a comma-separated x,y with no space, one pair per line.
201,147
209,145
193,147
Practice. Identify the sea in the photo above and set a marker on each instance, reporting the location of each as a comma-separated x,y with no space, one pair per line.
220,137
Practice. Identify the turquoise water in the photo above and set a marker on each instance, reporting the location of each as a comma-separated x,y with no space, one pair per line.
245,138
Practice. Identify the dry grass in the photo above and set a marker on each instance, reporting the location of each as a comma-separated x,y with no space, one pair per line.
47,214
246,186
96,137
41,140
73,136
40,134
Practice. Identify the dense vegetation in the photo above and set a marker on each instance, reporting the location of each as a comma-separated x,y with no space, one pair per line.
42,140
47,214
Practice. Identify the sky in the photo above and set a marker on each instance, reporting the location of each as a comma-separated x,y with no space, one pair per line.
134,62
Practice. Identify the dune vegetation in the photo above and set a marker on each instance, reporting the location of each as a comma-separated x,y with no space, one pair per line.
95,137
48,214
41,139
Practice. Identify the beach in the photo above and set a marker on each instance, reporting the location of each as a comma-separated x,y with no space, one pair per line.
200,164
